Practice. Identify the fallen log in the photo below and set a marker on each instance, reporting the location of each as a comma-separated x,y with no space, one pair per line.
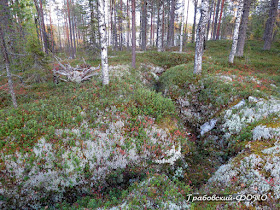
67,73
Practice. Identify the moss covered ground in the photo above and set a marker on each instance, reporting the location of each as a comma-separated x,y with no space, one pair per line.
45,107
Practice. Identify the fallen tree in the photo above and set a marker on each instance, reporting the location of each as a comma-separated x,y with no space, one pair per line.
67,73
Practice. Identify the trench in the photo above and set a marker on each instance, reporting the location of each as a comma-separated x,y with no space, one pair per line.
202,164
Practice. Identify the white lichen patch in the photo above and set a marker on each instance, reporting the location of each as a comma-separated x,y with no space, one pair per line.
263,132
253,174
245,114
100,151
119,70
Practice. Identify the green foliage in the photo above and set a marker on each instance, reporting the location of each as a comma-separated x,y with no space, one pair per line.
152,104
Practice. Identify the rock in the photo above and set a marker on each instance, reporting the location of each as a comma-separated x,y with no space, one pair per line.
208,126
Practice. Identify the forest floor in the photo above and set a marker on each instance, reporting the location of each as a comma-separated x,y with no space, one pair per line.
155,135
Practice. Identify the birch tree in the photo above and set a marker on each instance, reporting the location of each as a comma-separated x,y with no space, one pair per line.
103,41
236,31
182,26
200,36
270,25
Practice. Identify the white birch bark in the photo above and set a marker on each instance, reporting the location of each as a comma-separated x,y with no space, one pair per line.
200,36
160,44
236,32
103,41
182,27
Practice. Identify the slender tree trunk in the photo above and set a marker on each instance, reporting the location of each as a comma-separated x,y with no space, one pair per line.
115,25
200,36
236,31
160,28
7,62
186,29
151,30
170,40
158,22
73,30
52,42
103,41
163,25
216,19
182,27
219,25
209,21
143,25
44,28
270,25
70,28
194,20
212,29
133,35
42,25
120,22
243,28
128,25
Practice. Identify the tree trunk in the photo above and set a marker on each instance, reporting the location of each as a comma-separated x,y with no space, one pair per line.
151,30
200,36
42,25
186,29
158,21
133,35
120,23
103,41
243,28
170,40
219,25
143,24
128,25
270,25
115,26
236,31
212,27
70,28
182,28
209,21
163,25
7,62
160,28
73,31
216,19
194,20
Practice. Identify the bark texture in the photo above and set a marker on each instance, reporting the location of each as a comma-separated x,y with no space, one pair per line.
243,28
200,36
270,25
103,41
236,31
